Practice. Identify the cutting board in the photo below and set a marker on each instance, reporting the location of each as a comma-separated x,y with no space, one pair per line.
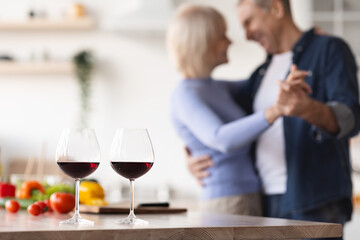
124,208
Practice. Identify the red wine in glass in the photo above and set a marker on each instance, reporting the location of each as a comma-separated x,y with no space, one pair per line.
131,170
78,170
78,155
131,156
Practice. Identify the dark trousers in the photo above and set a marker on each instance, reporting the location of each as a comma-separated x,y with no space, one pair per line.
333,212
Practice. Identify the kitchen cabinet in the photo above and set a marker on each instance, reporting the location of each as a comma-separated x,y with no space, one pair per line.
341,18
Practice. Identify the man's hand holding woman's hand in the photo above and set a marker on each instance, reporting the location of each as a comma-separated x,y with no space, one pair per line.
293,94
294,85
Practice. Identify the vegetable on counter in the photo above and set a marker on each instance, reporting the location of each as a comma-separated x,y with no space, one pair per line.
7,190
47,202
28,187
42,205
34,209
12,206
39,196
62,202
91,193
24,203
39,207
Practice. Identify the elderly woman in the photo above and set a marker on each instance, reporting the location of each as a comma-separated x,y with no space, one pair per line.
207,116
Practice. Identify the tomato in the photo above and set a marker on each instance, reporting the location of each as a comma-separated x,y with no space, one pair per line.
47,202
12,206
34,209
43,206
62,202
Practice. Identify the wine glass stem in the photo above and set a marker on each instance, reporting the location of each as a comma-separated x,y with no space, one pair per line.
132,214
77,183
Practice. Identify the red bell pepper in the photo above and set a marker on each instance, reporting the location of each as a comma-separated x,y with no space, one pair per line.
7,190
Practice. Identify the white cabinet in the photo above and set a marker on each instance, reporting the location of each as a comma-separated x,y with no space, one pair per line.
341,18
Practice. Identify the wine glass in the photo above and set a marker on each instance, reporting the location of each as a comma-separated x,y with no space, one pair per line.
78,155
131,156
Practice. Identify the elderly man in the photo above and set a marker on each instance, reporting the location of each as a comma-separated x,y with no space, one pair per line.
303,159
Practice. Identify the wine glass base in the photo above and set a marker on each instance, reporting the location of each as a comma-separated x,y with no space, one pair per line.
76,221
132,221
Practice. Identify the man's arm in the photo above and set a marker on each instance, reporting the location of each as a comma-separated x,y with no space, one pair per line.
294,102
320,115
339,115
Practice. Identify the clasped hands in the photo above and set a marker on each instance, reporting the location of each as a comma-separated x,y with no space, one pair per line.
293,99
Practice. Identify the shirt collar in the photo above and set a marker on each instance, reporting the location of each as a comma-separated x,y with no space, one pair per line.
304,41
300,45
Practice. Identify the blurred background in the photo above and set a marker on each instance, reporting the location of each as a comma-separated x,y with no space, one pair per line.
131,83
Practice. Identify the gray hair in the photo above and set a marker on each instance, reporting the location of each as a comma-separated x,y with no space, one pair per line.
191,38
265,4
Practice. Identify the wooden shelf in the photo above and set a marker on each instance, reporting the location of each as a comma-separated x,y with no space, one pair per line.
48,24
14,68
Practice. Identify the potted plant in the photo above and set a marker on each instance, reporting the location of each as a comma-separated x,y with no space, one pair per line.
84,65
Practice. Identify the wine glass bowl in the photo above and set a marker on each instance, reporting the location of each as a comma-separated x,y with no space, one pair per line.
78,170
78,156
131,156
131,170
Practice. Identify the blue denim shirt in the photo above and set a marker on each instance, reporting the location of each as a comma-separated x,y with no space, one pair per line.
318,164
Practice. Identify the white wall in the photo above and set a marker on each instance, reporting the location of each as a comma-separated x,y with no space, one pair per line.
131,87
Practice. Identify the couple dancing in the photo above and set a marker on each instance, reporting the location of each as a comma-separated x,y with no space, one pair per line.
300,166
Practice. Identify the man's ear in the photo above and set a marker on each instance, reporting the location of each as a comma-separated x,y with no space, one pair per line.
277,9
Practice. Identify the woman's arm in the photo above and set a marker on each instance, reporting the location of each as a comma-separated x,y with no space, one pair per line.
211,130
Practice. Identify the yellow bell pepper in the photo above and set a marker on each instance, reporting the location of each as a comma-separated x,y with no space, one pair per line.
91,193
96,202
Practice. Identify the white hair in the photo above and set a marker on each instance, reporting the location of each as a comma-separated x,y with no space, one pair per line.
192,36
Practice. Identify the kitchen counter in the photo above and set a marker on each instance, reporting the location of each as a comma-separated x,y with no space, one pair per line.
190,225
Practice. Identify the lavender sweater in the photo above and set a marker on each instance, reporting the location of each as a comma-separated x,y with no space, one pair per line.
209,121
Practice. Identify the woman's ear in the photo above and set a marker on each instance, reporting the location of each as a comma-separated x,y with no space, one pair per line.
277,9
